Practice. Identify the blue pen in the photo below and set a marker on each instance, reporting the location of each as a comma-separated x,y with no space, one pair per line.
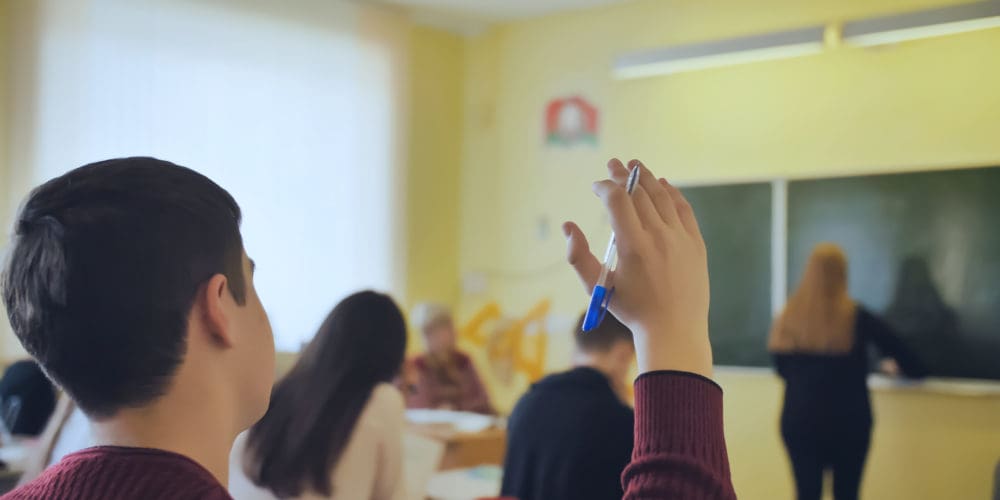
601,297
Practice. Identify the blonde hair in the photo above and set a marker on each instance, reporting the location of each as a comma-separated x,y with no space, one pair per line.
428,314
820,315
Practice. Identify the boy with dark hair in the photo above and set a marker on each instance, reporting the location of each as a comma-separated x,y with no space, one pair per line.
570,436
128,282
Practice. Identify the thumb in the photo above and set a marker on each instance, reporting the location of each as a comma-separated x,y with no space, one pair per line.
587,267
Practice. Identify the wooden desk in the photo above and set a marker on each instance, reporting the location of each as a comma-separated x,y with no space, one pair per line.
466,449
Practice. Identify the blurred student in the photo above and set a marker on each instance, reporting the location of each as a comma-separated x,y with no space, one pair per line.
444,377
127,281
820,344
27,398
552,452
335,425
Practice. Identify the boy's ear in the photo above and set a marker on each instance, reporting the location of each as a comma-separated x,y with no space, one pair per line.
216,304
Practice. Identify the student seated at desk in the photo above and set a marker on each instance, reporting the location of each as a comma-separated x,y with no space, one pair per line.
443,378
335,425
570,436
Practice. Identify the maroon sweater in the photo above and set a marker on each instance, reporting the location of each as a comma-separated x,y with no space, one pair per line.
457,386
679,453
116,473
680,447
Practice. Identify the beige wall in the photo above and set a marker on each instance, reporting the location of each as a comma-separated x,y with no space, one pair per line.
435,142
6,202
4,127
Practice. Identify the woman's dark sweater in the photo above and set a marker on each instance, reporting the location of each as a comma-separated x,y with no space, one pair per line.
826,392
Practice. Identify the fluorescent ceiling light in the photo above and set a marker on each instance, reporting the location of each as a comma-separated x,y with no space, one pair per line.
693,57
923,24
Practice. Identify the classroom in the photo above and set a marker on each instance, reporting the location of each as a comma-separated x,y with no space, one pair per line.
432,150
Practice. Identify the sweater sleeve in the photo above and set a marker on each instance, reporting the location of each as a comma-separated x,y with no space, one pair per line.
890,345
680,446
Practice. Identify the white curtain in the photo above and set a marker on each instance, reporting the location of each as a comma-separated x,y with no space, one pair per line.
291,106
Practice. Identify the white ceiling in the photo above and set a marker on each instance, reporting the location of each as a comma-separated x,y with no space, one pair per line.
501,10
471,16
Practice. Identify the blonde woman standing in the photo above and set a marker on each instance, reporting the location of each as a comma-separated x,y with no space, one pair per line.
820,344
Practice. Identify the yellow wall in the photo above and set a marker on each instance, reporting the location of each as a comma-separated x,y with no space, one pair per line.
5,202
924,104
435,118
434,161
4,63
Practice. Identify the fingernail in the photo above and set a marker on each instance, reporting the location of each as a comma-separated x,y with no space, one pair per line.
633,163
566,231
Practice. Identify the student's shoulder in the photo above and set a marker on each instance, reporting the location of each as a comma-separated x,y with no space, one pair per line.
387,396
112,473
385,407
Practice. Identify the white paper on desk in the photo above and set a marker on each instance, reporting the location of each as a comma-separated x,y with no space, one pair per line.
466,484
462,421
421,457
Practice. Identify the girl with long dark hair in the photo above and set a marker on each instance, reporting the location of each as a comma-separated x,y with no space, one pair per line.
334,426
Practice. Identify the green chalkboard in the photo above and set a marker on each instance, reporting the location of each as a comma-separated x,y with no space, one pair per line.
736,223
924,252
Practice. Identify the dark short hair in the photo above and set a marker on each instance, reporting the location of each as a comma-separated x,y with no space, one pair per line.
602,338
361,344
103,268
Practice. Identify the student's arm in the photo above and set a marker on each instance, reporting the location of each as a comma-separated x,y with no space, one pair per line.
662,295
389,479
891,346
780,364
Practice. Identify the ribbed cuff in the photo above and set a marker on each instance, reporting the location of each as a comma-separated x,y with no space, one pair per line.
678,373
679,412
